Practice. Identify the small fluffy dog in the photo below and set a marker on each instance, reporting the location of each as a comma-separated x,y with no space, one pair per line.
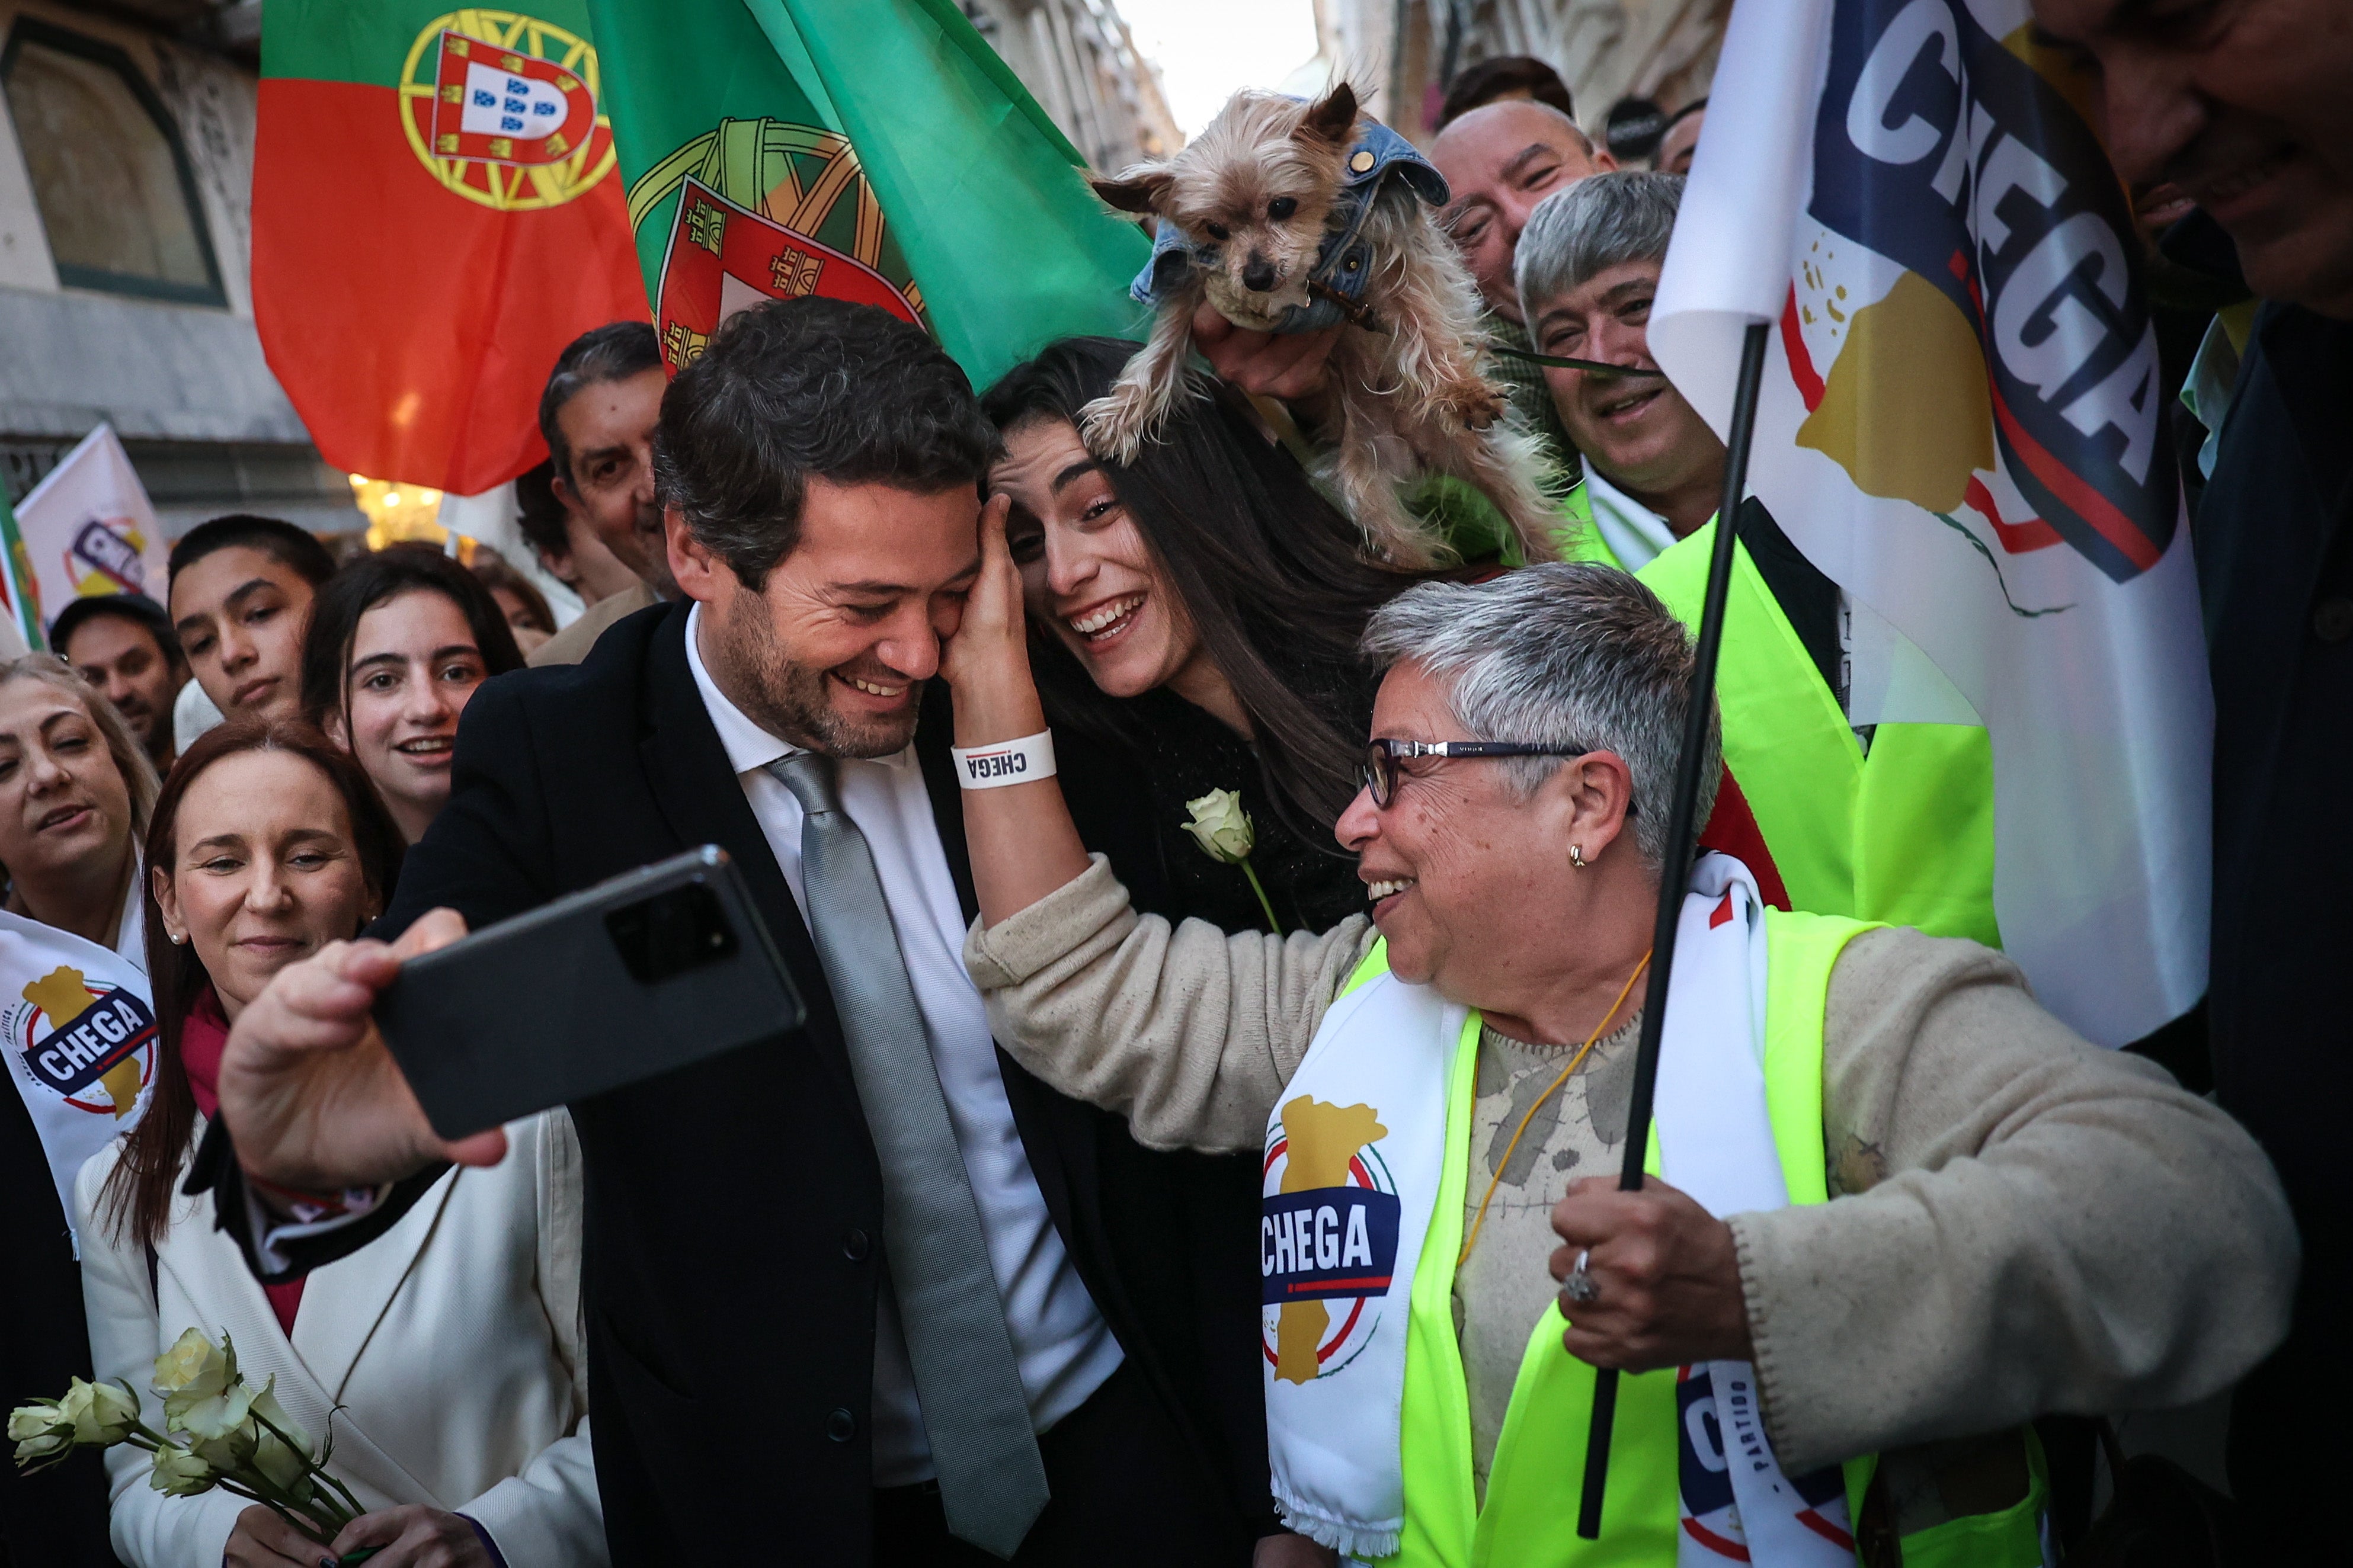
1287,217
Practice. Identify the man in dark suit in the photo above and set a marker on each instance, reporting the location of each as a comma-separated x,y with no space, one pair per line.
868,1293
2247,107
56,1518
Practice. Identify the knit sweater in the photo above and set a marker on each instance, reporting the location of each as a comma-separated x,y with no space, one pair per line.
2021,1221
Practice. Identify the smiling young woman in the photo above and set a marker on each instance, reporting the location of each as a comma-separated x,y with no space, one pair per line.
1198,611
398,643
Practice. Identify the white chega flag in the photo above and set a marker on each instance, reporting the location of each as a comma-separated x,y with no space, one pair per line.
78,1038
88,529
1960,424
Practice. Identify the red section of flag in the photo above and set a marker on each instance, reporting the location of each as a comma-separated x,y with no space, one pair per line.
1721,913
413,327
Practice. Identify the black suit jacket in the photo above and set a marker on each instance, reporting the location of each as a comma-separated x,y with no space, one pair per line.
57,1517
2274,538
734,1209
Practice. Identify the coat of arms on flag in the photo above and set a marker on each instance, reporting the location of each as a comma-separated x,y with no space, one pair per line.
509,120
724,257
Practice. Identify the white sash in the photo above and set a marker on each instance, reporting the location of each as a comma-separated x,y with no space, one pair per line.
1355,1158
78,1031
1715,1143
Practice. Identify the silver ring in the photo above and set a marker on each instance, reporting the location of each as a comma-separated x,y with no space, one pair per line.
1579,1286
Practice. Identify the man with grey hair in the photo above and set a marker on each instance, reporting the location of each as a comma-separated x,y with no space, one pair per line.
1879,821
1898,1210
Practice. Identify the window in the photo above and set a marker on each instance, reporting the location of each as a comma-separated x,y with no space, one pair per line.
109,174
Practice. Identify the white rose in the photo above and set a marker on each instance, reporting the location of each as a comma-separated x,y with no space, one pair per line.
190,1358
179,1473
223,1416
1221,827
101,1413
203,1394
267,1408
40,1431
287,1467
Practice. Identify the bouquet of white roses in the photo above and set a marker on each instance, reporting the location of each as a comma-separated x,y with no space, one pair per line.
218,1431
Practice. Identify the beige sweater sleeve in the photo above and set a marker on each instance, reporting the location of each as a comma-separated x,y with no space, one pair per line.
2030,1223
1187,1032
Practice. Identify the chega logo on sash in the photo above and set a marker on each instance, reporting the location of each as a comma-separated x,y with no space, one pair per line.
91,1044
1717,1429
1328,1237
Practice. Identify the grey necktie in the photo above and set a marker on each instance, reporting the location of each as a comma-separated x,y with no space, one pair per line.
992,1480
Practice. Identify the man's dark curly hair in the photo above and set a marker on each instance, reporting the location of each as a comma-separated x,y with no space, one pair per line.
796,389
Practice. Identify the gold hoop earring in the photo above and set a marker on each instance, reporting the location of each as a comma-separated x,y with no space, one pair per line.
1577,855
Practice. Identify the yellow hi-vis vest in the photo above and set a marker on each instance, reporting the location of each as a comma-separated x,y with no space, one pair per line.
1902,836
1529,1519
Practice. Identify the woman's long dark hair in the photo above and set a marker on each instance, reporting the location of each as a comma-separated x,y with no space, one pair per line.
1268,569
368,580
137,1198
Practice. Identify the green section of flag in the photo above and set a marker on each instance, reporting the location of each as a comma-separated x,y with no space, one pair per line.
984,206
16,565
1010,247
368,42
695,88
332,40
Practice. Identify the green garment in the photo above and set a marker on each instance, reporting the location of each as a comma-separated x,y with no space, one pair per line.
1903,836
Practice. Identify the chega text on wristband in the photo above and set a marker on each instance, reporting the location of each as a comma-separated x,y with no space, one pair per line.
1004,763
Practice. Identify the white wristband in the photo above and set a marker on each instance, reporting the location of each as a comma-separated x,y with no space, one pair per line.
1005,763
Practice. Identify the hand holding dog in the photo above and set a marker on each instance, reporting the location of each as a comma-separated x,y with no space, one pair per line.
1294,367
1669,1277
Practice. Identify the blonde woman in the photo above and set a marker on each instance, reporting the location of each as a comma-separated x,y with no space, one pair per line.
75,793
76,790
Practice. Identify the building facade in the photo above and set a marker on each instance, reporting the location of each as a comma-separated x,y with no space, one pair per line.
1078,61
1664,50
126,169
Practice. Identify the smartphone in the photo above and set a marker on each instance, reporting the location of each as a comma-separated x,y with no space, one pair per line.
651,971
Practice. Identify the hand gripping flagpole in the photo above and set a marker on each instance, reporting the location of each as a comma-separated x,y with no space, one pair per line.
1683,831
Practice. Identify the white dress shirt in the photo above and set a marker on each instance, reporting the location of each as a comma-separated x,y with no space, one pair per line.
1064,1347
1635,534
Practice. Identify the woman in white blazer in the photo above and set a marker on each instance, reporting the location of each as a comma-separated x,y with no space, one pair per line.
445,1358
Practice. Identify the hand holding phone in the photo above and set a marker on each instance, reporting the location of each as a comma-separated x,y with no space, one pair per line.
652,971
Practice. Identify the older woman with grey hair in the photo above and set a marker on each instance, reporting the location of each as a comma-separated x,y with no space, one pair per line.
1897,1211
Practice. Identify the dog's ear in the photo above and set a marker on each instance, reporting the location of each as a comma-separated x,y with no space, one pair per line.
1132,191
1332,117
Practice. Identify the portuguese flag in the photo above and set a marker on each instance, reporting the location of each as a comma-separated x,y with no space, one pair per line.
436,212
877,151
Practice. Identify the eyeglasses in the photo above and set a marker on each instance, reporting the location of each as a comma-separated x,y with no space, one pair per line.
1382,756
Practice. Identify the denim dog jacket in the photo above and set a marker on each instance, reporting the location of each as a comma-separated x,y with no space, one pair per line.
1344,261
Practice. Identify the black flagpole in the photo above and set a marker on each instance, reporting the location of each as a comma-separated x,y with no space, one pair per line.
1683,831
